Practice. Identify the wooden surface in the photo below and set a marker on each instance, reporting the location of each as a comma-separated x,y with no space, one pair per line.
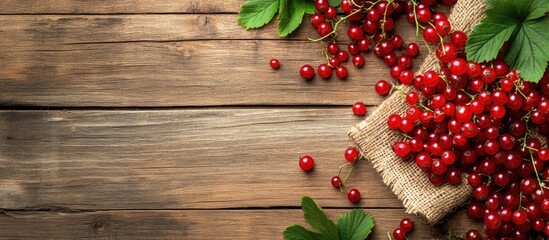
162,119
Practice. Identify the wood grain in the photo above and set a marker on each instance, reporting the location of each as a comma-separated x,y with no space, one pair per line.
187,159
119,61
117,6
199,224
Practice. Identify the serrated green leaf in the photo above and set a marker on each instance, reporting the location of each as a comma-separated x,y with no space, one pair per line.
520,10
316,217
256,13
298,232
355,225
489,36
537,9
291,15
529,51
334,3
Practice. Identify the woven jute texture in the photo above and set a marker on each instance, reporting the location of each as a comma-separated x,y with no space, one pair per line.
375,141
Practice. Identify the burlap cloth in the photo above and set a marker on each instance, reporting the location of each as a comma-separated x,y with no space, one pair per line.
375,141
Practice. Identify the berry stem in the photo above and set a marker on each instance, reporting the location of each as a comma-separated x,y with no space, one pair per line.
415,18
536,171
356,5
384,19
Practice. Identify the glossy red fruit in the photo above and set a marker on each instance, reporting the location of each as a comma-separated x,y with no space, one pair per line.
382,87
351,154
324,29
407,225
359,109
412,49
341,72
354,195
355,33
399,234
321,5
430,35
459,38
473,235
359,61
336,182
316,19
306,163
307,72
324,71
443,27
275,64
450,52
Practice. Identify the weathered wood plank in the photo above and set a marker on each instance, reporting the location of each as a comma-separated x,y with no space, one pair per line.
198,224
46,62
40,30
177,159
117,6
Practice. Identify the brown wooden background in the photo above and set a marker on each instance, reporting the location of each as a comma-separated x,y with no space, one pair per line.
134,119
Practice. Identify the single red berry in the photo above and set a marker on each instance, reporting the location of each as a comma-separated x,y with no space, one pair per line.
275,64
354,195
394,121
307,72
321,5
412,49
458,66
324,29
359,109
324,71
459,38
399,234
336,182
382,87
443,27
423,15
355,33
473,235
430,35
520,217
448,54
341,72
412,97
316,19
359,61
397,41
330,13
342,56
332,48
364,44
351,154
306,163
407,225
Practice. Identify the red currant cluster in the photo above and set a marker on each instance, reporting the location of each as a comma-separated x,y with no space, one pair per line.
371,26
406,226
477,118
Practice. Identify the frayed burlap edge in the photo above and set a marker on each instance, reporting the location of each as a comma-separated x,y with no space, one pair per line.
405,179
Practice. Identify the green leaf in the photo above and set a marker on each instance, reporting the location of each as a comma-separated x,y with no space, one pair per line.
489,36
334,3
291,14
298,232
355,225
308,6
529,52
256,13
316,217
537,9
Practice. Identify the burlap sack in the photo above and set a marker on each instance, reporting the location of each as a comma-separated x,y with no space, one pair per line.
375,141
